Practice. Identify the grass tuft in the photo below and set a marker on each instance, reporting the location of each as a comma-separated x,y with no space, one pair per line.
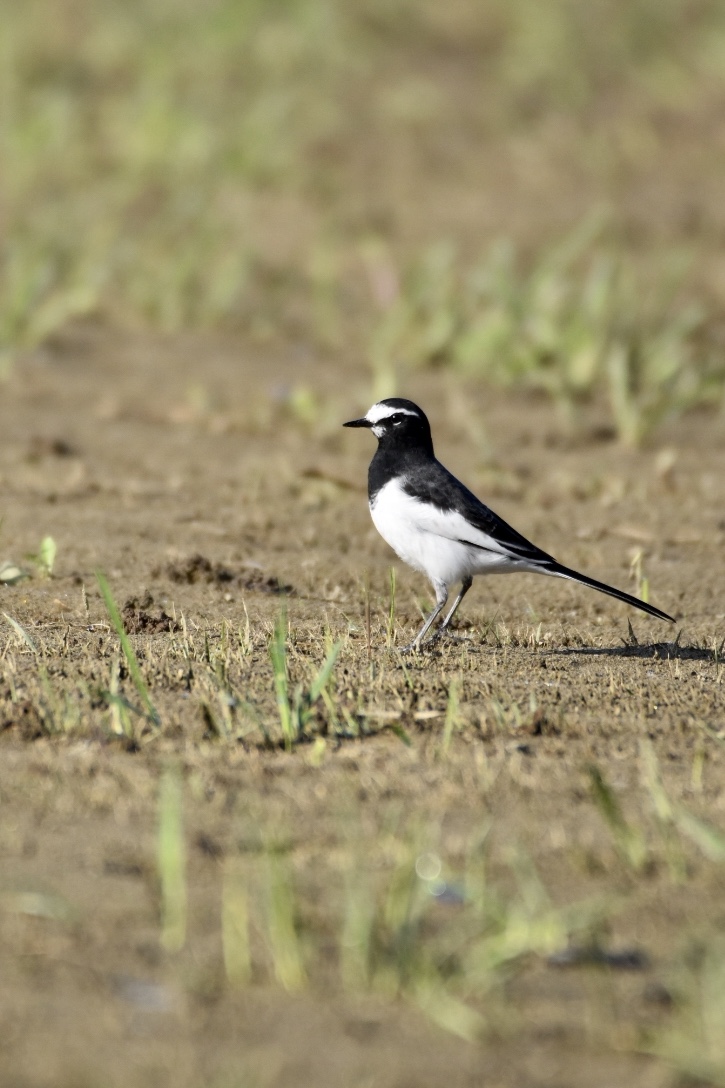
128,651
297,706
630,841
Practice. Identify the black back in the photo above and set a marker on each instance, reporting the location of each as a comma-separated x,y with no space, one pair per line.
434,484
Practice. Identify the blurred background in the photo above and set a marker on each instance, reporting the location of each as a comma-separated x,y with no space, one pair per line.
529,194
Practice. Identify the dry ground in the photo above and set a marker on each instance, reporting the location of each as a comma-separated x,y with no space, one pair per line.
138,457
502,863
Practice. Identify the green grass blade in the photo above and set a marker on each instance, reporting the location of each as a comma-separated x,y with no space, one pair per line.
630,842
21,633
391,610
448,1012
278,654
322,679
358,928
709,840
128,651
235,927
283,938
47,553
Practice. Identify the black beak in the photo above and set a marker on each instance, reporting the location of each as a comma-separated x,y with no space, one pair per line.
358,423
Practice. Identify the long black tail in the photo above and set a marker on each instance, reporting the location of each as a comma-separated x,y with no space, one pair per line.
565,572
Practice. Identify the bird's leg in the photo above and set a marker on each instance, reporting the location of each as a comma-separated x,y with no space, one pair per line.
465,586
441,598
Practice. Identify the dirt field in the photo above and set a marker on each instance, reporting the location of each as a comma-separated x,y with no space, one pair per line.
209,515
244,843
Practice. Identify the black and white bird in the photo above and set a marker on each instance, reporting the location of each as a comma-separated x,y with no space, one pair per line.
439,527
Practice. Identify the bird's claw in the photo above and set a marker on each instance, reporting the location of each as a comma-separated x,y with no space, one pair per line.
447,633
456,638
416,647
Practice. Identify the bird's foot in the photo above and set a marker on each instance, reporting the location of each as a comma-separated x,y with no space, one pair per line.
417,646
448,634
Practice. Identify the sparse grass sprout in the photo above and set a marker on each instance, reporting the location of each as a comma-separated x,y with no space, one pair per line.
128,651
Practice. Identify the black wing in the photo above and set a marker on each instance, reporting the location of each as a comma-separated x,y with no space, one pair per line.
434,484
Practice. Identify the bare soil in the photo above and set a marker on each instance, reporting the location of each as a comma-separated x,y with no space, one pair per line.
178,470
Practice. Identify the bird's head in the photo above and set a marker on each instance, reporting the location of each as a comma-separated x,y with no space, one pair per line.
396,422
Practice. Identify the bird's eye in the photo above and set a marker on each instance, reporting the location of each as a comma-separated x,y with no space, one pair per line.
397,420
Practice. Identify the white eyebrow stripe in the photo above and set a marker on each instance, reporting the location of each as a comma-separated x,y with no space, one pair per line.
381,411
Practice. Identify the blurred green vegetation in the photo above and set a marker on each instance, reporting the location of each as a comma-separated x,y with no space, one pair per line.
230,163
578,321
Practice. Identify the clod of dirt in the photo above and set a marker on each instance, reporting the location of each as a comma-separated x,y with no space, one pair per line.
123,867
26,718
209,846
136,617
623,959
258,582
656,993
200,569
541,725
41,446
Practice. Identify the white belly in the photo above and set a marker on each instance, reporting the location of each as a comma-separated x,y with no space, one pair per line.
429,540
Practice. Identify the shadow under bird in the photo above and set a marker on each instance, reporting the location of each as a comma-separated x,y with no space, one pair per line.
439,527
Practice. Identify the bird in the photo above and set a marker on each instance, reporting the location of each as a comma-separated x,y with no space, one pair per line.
440,528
